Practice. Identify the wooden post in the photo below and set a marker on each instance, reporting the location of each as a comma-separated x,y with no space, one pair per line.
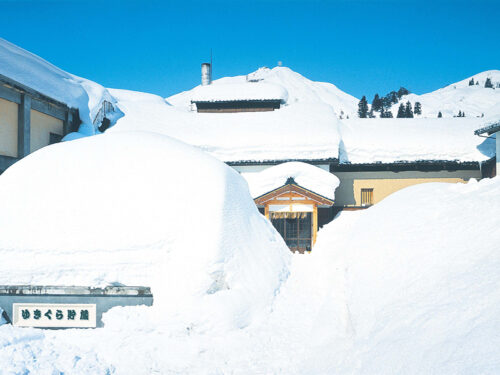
315,222
266,211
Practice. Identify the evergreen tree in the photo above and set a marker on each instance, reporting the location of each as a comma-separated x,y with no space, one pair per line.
388,114
440,114
418,108
471,82
401,111
477,83
363,108
463,114
377,103
408,110
459,113
402,91
488,83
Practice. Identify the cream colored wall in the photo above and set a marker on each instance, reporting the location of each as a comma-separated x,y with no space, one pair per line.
8,128
385,183
41,127
384,188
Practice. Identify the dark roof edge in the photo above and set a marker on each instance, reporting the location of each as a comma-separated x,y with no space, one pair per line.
280,161
238,100
490,129
34,93
424,165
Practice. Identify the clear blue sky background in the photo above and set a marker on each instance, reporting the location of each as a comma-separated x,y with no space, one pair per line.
363,47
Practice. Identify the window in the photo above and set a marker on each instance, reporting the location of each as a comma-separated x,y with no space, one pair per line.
54,138
366,197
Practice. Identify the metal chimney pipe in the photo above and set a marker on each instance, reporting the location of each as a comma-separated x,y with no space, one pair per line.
206,74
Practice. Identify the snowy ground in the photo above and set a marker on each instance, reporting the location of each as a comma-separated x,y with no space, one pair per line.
415,294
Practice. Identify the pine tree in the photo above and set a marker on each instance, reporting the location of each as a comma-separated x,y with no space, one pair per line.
471,82
363,108
477,83
402,91
463,114
401,111
459,113
488,83
377,103
408,110
440,114
388,114
418,108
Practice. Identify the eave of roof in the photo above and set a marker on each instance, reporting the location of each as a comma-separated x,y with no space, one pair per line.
239,100
490,129
280,161
320,198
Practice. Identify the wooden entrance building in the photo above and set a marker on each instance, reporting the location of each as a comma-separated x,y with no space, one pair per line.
293,210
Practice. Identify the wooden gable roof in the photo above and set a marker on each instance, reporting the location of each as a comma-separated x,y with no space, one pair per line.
292,187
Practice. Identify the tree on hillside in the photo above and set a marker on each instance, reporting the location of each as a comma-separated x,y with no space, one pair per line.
488,83
408,110
385,113
440,114
471,82
418,108
402,91
377,103
363,108
401,111
459,114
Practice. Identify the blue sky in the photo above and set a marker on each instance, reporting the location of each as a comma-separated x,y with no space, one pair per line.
363,47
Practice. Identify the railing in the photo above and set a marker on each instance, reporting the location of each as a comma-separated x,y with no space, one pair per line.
106,107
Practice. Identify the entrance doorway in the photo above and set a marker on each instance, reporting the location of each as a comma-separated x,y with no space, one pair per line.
295,228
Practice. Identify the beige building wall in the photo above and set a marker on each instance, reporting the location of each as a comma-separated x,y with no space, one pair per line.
8,128
41,127
385,183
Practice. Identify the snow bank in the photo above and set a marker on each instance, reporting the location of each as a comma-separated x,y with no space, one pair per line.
299,131
417,292
417,139
40,75
239,91
306,175
141,209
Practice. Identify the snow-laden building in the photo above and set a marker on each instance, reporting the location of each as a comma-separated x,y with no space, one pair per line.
314,128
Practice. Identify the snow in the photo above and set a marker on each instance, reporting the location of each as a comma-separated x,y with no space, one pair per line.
141,209
418,139
475,100
415,294
298,90
306,175
298,131
239,91
40,75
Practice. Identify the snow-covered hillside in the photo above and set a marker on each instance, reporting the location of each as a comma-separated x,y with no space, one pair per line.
298,88
33,71
475,100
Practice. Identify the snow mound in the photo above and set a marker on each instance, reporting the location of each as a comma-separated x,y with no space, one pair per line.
306,175
418,139
239,91
298,90
474,101
34,72
299,131
416,293
141,209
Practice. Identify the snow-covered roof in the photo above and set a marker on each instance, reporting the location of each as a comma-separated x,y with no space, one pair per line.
411,140
246,91
36,73
490,128
299,131
305,175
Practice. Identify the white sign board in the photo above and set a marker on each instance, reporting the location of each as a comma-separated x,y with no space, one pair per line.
54,315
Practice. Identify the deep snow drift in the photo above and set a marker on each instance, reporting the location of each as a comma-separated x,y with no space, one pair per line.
416,293
141,209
